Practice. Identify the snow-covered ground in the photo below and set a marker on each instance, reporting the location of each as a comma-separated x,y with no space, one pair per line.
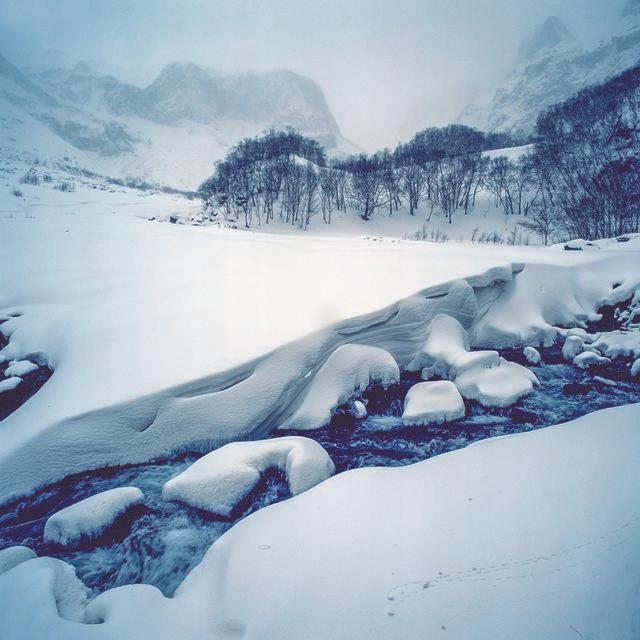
167,337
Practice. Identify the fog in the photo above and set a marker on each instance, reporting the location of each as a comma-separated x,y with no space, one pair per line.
387,68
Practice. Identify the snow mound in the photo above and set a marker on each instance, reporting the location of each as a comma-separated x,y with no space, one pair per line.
615,344
432,403
13,556
573,345
60,594
478,375
8,384
347,372
20,368
90,517
532,355
497,386
585,359
218,481
446,340
472,359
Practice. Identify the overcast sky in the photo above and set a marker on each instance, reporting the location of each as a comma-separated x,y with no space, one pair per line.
387,68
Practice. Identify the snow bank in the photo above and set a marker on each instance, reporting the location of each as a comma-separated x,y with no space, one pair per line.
218,481
247,402
90,517
348,371
20,368
432,403
13,556
232,387
545,297
497,386
548,558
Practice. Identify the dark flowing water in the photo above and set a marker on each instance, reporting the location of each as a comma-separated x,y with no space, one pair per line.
160,542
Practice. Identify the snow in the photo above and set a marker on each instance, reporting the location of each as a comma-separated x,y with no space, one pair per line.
389,553
587,358
348,371
532,355
90,517
500,385
572,346
9,384
432,403
615,344
446,339
13,556
635,367
218,328
218,481
358,409
20,368
545,297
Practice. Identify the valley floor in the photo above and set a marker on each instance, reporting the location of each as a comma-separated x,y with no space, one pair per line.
151,327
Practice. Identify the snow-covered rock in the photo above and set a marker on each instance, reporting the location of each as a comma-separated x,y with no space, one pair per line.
473,359
90,517
8,384
348,371
478,375
587,358
446,339
358,409
635,368
498,386
218,481
20,368
573,345
13,556
615,344
532,355
432,403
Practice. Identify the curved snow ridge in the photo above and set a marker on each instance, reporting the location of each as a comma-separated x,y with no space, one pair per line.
245,403
332,548
91,517
348,371
220,480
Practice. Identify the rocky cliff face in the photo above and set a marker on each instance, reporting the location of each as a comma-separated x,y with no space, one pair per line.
552,66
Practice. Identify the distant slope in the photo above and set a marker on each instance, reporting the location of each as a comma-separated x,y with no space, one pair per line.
169,132
551,67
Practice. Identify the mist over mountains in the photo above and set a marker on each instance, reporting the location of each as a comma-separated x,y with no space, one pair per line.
551,66
169,131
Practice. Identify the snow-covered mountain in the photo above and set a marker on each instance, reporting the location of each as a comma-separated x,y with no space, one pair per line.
170,131
551,66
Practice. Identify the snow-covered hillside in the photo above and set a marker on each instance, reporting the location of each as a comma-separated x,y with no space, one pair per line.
552,66
169,132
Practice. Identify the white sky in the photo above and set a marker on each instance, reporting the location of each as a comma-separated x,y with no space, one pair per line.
387,68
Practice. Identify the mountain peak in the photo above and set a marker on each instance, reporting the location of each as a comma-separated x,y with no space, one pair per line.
550,34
